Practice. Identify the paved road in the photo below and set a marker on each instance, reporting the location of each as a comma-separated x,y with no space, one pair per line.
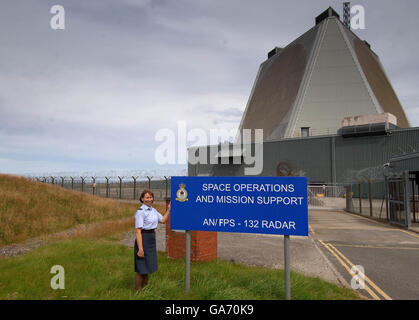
388,255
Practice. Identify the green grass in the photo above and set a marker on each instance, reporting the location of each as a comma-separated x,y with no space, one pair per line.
103,269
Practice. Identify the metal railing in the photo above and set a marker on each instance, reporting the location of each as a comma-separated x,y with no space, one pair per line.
368,199
326,197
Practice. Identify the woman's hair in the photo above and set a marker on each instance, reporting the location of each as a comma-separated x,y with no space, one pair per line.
145,191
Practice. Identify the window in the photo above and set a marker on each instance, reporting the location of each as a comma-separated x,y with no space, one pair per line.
305,131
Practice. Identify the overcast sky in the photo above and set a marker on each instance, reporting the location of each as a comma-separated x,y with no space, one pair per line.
92,97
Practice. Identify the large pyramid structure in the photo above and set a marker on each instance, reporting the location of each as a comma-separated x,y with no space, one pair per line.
309,86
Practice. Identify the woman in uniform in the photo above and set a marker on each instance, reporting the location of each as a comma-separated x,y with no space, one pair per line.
145,250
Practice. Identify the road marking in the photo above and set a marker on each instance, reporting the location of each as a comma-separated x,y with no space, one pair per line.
379,222
409,233
365,277
349,270
389,228
357,228
337,253
375,247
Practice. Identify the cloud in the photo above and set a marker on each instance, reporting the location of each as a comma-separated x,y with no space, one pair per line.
95,94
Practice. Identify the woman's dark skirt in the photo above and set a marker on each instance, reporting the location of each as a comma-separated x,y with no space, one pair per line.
148,264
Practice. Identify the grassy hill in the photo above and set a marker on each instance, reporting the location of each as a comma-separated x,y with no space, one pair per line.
30,209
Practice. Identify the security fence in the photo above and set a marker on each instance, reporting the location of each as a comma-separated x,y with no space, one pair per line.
364,197
326,197
394,199
124,188
368,199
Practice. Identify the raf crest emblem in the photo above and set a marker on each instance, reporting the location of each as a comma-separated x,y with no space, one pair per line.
182,194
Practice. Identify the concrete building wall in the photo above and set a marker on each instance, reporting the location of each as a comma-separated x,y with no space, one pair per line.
379,83
336,88
276,87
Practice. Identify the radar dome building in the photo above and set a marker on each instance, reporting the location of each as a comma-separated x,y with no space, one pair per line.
325,95
322,77
329,113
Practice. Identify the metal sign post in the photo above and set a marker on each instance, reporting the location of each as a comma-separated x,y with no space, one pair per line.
287,273
187,260
267,205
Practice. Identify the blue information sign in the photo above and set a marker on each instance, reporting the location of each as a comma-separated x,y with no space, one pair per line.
270,205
